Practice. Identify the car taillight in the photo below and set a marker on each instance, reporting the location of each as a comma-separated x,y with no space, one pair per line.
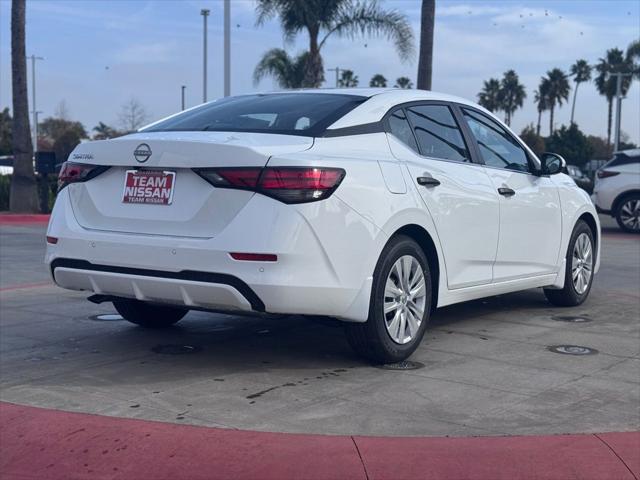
287,184
78,172
606,173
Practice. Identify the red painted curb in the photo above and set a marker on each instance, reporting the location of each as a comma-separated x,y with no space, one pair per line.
18,219
42,443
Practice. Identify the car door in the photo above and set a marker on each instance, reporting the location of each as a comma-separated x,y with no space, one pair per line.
530,215
456,192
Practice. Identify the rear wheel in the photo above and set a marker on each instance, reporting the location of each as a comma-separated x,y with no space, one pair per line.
580,261
628,213
149,315
400,304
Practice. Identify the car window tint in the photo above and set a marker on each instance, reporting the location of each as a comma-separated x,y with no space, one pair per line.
623,159
497,147
438,133
401,129
288,113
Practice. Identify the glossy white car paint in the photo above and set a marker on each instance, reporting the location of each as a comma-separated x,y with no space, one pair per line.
484,244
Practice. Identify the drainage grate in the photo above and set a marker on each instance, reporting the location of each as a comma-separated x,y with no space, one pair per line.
106,317
404,365
570,318
175,349
572,350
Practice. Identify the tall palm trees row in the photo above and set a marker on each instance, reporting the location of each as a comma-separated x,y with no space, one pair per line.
507,95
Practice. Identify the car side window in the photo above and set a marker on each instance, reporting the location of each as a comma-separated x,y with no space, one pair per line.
401,129
497,147
438,133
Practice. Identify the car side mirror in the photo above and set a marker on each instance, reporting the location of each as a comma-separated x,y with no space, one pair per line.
552,163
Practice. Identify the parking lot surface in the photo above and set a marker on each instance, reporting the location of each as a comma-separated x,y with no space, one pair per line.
487,367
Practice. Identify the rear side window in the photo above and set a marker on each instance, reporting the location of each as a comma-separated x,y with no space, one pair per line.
306,114
438,133
497,147
400,128
623,159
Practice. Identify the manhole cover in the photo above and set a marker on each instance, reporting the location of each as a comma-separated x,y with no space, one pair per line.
175,349
107,317
572,350
404,365
571,319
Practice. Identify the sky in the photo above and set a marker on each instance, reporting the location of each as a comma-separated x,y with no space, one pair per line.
100,54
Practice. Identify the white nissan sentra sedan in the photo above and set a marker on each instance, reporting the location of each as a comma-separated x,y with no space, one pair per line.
373,206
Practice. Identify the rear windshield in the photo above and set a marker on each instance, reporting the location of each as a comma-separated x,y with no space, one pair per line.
622,159
307,114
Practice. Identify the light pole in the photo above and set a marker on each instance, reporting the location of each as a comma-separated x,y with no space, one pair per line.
227,48
182,89
33,101
337,70
205,13
616,135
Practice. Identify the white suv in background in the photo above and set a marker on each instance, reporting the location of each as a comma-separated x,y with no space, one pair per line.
617,189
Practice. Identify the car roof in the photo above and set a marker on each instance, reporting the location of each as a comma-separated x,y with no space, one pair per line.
632,152
380,101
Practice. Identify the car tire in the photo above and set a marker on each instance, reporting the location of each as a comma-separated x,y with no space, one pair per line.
149,315
627,211
373,339
576,292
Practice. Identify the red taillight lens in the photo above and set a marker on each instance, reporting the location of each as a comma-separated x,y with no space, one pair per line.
52,240
254,257
607,173
287,184
78,172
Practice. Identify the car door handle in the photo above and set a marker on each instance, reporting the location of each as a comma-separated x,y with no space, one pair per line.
507,192
428,181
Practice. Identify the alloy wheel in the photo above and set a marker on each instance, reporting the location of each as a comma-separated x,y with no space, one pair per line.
630,214
404,299
582,263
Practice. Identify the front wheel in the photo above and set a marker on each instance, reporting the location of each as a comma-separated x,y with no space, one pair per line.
628,213
149,315
580,262
400,304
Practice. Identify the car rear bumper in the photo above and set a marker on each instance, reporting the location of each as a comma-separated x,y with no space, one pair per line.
310,277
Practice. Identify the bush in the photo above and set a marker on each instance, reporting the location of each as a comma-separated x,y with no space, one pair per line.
572,144
51,184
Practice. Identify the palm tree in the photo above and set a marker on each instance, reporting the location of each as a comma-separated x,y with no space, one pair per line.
581,72
425,61
348,79
511,94
345,18
489,97
633,55
24,193
288,72
540,99
614,62
378,80
557,90
404,83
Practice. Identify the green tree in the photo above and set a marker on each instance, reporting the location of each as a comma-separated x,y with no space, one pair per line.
378,80
633,57
6,137
288,72
557,90
24,191
404,83
600,148
345,18
489,96
533,140
614,61
104,132
581,72
572,144
540,99
512,94
61,136
425,61
348,79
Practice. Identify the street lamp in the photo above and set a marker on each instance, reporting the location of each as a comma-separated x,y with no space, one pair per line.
227,48
205,13
182,89
337,70
33,101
